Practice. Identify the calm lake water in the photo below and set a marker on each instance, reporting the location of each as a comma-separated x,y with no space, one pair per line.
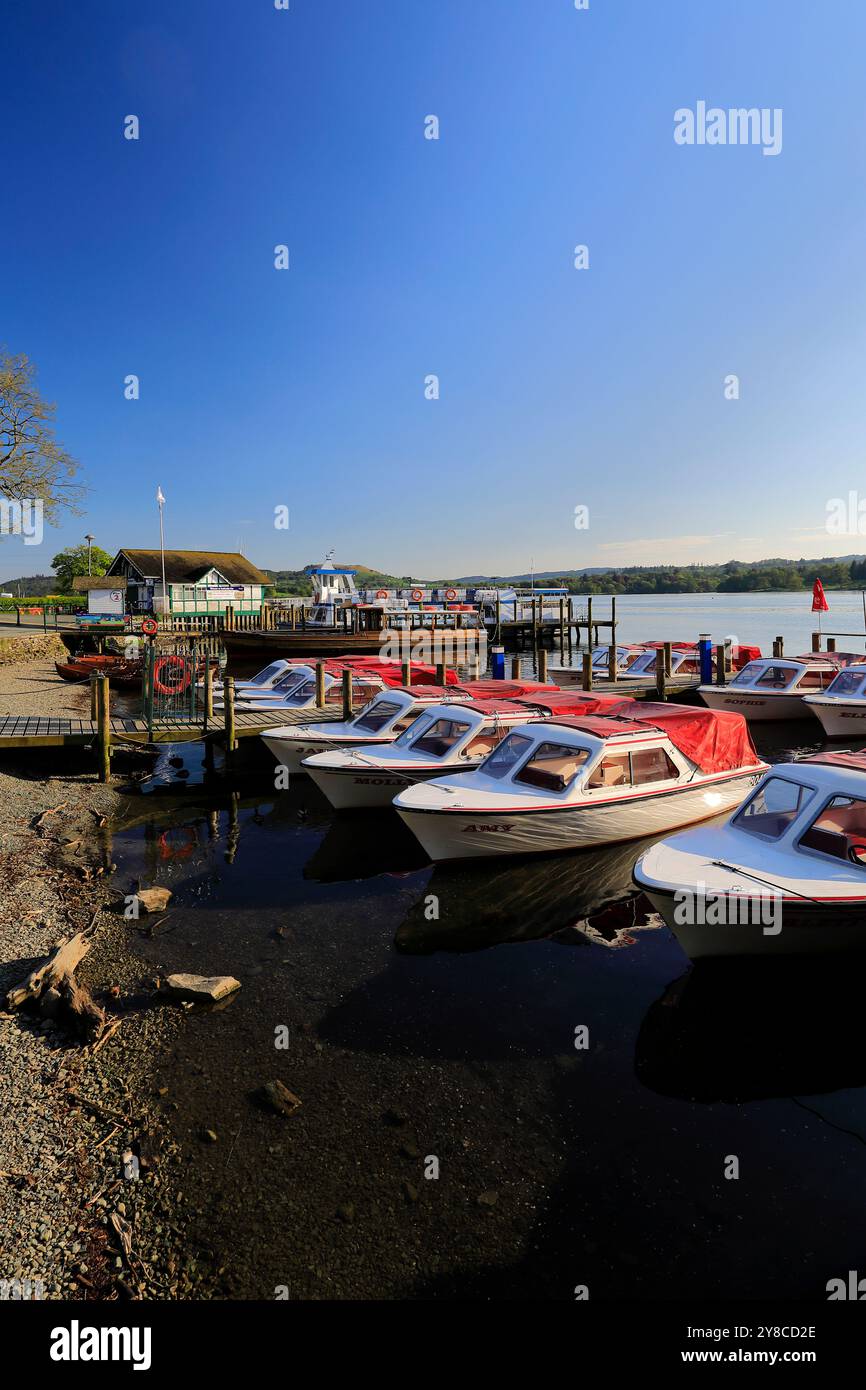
750,618
449,1036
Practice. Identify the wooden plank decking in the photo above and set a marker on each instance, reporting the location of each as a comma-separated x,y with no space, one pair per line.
47,731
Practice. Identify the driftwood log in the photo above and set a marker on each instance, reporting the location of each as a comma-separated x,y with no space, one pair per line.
51,988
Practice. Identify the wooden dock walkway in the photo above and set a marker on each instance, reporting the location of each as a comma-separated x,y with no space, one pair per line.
47,731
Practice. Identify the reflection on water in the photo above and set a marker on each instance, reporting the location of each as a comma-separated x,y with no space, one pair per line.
434,1011
738,1031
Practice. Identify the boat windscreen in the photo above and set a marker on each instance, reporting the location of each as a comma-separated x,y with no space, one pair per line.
439,739
377,714
267,674
505,756
772,808
748,673
847,683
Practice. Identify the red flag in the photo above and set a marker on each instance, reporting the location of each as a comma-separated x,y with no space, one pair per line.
819,600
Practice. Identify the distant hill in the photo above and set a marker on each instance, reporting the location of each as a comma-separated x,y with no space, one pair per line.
32,587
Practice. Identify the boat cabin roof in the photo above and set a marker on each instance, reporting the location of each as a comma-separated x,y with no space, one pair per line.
854,762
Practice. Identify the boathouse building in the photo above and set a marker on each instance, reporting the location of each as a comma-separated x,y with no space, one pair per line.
199,583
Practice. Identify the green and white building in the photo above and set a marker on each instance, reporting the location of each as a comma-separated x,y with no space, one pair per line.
198,583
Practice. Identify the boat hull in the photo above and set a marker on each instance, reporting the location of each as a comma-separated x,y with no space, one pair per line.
806,928
840,718
756,706
365,788
472,834
290,752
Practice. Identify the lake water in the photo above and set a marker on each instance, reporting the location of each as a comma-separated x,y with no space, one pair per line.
751,618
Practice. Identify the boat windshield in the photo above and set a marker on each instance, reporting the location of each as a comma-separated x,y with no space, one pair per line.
645,662
376,715
552,767
264,676
840,830
290,680
748,673
772,808
440,738
847,683
299,694
505,756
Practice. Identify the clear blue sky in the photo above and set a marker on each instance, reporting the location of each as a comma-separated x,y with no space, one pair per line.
559,387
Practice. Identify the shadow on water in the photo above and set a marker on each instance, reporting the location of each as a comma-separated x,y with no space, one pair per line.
433,1011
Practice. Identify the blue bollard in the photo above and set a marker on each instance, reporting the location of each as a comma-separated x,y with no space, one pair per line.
705,648
497,663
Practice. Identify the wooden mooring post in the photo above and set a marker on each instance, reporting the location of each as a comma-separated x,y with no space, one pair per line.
103,729
587,670
515,668
406,672
229,708
320,685
612,672
347,695
668,662
542,665
720,663
660,675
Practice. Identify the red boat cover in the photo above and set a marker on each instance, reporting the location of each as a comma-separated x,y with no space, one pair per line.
717,740
830,658
503,690
561,702
423,673
741,655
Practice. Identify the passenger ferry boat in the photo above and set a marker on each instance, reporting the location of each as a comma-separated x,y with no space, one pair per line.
786,875
453,737
382,721
773,688
573,783
841,708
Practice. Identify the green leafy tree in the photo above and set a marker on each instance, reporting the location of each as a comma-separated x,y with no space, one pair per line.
73,561
32,463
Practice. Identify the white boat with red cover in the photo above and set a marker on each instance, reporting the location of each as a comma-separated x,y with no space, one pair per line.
586,780
454,737
774,688
382,720
786,875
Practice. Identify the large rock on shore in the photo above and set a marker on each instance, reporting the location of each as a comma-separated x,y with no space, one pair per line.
203,989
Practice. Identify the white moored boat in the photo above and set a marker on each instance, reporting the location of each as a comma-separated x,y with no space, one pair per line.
571,783
298,691
381,721
786,875
841,708
773,688
263,680
452,737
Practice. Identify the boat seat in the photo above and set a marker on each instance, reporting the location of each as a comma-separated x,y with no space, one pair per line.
481,746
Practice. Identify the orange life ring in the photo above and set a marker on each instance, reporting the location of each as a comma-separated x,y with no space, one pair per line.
381,593
451,595
149,626
169,664
417,595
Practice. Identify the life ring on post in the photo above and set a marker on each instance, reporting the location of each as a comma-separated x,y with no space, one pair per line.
417,595
451,595
381,593
177,672
149,626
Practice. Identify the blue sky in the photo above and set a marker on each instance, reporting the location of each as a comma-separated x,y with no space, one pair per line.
408,257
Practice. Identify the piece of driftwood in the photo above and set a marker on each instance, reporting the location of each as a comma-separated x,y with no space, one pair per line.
54,991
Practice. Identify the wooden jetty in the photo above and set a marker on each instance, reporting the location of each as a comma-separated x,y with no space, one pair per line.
46,731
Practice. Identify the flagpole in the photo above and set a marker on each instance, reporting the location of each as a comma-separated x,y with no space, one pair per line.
161,503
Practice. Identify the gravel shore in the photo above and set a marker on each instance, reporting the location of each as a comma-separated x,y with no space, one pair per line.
70,1222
